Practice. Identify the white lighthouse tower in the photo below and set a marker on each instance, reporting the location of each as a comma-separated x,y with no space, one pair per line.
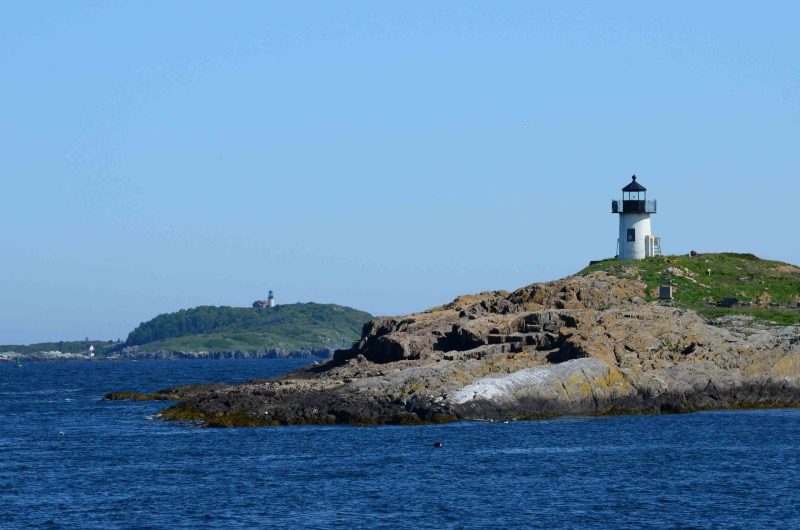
636,240
271,300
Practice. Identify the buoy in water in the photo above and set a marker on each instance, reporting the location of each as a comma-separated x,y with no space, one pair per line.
438,444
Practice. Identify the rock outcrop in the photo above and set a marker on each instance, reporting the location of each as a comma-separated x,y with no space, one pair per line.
582,345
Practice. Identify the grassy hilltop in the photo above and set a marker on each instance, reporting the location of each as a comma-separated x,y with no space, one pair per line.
768,290
287,327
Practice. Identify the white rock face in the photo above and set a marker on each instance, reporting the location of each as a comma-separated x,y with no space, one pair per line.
544,380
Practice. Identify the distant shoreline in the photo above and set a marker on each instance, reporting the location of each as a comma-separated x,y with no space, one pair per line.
56,356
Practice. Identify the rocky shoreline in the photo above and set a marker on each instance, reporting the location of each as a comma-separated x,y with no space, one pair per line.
584,345
42,356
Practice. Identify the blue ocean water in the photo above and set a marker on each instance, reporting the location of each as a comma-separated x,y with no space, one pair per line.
70,460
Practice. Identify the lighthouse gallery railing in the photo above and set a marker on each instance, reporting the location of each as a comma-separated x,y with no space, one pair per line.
633,206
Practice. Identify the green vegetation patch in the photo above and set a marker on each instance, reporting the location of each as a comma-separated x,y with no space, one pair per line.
767,290
285,327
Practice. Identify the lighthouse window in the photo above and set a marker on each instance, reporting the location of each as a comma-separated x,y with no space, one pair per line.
631,234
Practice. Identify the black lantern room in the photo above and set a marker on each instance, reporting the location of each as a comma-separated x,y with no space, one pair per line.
634,199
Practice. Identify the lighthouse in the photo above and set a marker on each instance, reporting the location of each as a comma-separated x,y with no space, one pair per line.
636,240
264,304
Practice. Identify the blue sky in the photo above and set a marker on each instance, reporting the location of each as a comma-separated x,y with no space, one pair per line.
386,156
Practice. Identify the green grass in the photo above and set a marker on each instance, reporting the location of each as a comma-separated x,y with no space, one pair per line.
742,276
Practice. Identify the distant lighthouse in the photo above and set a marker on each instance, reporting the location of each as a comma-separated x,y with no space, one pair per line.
636,240
263,304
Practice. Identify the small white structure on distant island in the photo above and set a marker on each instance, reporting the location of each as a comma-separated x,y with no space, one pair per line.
269,302
636,240
90,351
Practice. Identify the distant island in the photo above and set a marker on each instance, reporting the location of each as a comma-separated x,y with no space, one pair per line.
660,334
290,330
285,330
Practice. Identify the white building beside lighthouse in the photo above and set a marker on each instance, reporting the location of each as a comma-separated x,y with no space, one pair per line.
636,240
264,304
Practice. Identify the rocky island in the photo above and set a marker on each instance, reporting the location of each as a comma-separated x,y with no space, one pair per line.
598,342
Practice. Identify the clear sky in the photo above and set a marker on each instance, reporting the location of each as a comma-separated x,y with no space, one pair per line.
382,155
